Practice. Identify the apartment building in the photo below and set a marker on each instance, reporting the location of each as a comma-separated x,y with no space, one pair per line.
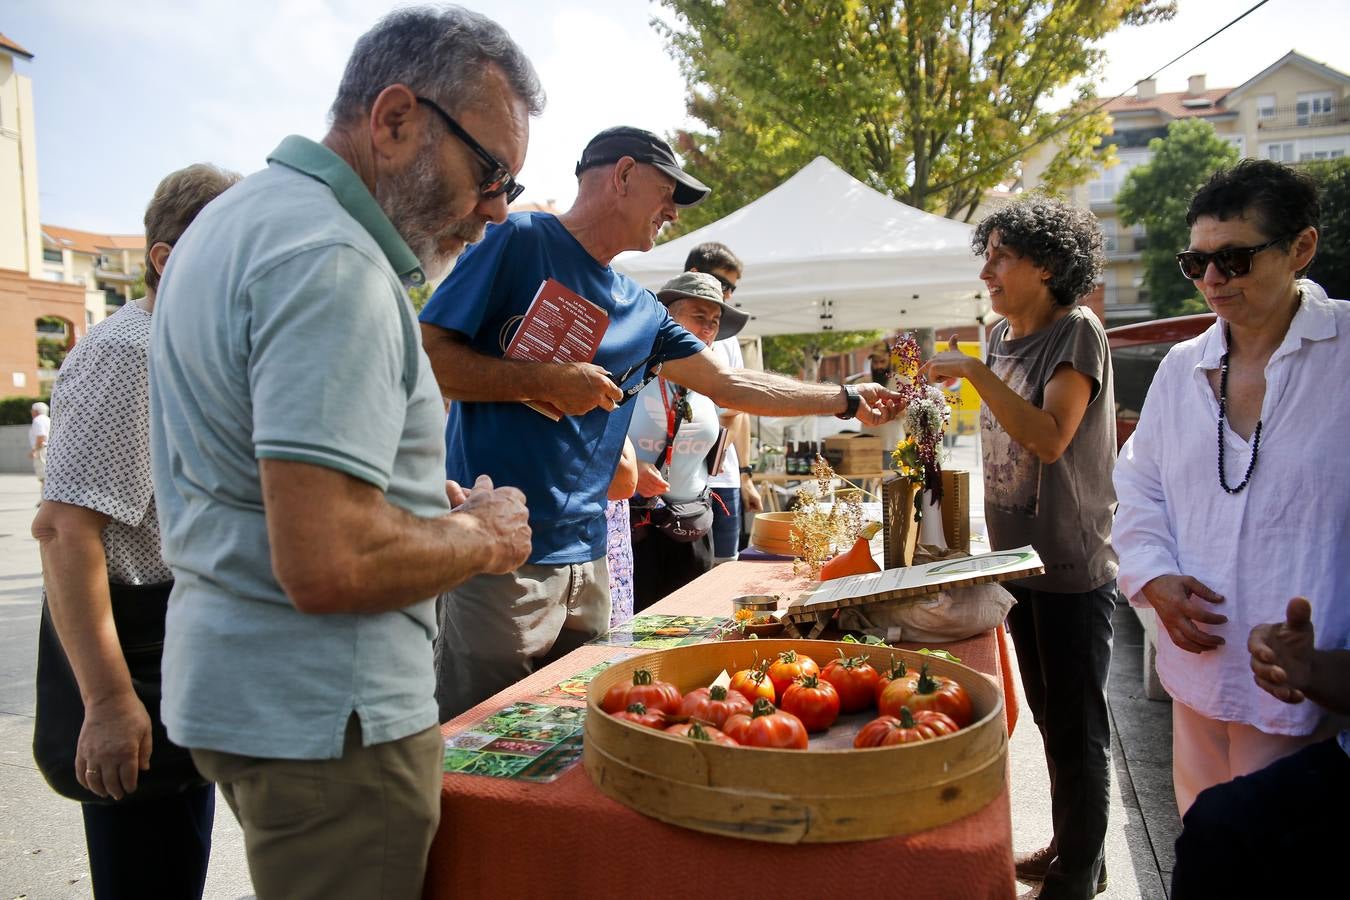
33,308
107,266
1295,110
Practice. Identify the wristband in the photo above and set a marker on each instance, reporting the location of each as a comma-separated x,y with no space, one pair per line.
854,399
747,470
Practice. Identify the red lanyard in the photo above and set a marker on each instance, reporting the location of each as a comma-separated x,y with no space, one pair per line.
671,426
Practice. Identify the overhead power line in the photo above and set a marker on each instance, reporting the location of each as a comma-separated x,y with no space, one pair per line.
1081,116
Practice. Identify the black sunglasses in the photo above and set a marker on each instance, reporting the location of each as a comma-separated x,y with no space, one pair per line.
728,287
1232,262
630,393
499,179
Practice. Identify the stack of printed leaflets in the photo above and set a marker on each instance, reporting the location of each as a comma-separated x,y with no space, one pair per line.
530,741
653,632
525,741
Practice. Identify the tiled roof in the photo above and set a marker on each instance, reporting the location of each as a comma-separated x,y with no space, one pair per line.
10,45
534,206
90,242
1174,105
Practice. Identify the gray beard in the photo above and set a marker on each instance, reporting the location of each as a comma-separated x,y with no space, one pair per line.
414,202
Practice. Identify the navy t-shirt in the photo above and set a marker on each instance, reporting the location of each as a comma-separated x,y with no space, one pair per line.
564,467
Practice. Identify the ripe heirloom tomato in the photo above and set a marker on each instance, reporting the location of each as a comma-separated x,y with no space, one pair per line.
897,671
927,692
788,667
814,701
657,695
753,683
767,727
638,714
855,680
919,726
697,731
715,704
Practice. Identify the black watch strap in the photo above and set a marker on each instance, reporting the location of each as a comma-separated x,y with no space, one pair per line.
747,470
854,398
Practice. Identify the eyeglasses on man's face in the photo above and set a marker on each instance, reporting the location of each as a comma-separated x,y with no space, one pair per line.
499,179
1232,262
728,287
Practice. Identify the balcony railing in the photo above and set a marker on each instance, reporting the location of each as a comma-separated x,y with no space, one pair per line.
1302,116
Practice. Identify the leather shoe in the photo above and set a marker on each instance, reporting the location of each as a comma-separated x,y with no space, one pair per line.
1031,867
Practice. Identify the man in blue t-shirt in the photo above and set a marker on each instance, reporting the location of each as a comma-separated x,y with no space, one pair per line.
495,629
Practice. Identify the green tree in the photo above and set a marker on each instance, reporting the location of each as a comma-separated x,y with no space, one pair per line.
800,354
1331,267
1157,194
931,102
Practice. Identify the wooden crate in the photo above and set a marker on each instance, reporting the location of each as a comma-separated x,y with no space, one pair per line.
900,533
853,453
794,796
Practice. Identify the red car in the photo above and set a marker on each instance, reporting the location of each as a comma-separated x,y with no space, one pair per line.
1136,351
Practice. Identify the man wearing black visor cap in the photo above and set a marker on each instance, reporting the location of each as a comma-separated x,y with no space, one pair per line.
613,144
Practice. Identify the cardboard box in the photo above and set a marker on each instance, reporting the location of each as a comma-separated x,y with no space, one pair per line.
956,509
853,453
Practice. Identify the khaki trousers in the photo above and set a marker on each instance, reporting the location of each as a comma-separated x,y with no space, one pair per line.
359,826
1206,751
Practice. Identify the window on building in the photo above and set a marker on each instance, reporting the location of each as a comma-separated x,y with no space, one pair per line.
1280,152
1109,241
1313,108
1265,106
51,255
1107,184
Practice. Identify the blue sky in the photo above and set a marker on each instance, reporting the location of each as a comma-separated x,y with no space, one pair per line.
127,92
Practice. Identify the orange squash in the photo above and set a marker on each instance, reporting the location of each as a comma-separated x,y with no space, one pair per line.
857,560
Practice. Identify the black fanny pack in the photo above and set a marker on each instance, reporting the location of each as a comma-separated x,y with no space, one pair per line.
683,522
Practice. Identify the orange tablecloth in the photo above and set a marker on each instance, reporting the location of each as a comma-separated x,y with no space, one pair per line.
503,838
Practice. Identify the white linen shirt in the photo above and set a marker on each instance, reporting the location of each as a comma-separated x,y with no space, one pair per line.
1287,534
729,351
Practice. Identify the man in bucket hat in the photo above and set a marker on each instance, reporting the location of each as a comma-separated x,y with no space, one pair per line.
496,629
675,433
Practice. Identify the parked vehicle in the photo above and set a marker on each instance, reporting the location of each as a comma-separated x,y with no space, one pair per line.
1136,351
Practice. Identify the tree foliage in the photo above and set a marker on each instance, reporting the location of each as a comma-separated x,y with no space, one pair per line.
1331,266
799,355
1157,194
931,102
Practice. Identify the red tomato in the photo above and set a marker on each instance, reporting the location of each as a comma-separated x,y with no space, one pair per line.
897,670
927,692
638,714
812,700
658,695
714,704
919,726
788,667
767,727
855,680
697,731
753,683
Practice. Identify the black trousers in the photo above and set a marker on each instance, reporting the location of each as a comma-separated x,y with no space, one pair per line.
661,566
151,848
1278,832
1063,644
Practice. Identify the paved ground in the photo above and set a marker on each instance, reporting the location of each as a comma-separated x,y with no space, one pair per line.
42,846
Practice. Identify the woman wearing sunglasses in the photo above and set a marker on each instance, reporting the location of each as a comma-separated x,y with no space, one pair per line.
673,430
1231,499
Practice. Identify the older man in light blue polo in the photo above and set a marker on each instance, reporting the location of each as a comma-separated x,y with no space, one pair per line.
299,459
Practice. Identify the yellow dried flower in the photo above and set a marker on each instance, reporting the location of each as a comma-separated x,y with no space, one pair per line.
818,534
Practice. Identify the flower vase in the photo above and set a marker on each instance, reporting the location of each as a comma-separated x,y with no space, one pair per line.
930,526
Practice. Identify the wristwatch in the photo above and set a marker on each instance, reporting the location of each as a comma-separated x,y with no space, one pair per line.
747,470
852,396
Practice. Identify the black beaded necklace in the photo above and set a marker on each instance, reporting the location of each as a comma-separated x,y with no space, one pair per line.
1223,407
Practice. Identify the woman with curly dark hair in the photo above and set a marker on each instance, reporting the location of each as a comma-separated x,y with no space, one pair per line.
1049,440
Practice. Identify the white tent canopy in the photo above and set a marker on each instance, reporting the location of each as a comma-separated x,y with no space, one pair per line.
823,251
